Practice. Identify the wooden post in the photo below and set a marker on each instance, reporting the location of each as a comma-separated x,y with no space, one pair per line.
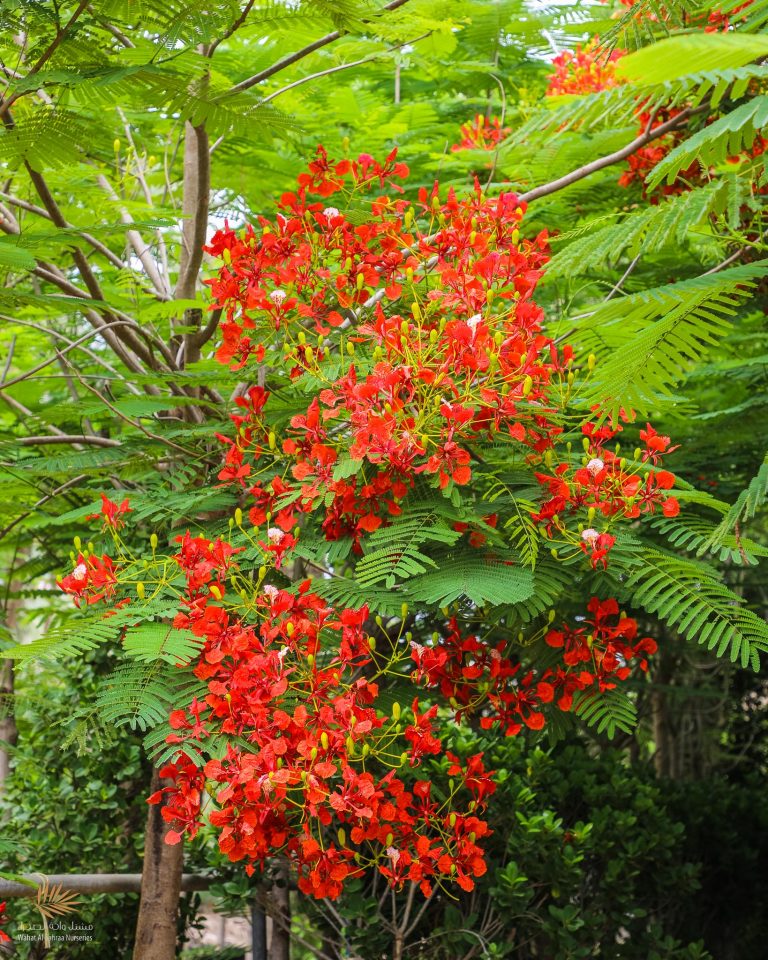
258,931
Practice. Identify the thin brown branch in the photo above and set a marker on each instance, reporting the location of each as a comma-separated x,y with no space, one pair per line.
50,496
116,32
73,438
48,53
616,157
140,246
71,343
97,245
233,29
134,423
300,55
204,335
4,384
341,66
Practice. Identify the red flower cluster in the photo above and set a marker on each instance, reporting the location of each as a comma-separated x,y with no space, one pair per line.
481,680
4,938
584,70
92,579
397,345
458,356
717,21
307,745
481,133
587,70
607,485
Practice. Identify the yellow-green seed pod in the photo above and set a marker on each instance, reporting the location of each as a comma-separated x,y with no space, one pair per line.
416,311
554,553
366,750
452,819
489,295
342,837
289,628
226,256
395,710
404,610
78,543
372,643
313,753
140,590
638,453
116,144
238,516
403,758
551,616
435,202
591,514
360,282
302,337
591,360
262,573
379,621
324,740
351,348
271,440
350,744
585,444
390,839
153,541
309,353
216,592
527,386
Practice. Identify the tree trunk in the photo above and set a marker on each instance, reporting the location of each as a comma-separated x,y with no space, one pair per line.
280,945
9,733
156,932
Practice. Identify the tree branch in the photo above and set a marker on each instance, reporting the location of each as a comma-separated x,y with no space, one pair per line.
233,29
141,249
611,158
194,208
300,55
49,52
73,438
50,496
97,245
341,66
71,343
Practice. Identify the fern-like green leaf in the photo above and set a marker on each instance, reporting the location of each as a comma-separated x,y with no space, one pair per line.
688,596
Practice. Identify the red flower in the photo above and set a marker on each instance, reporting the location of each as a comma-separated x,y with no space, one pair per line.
111,513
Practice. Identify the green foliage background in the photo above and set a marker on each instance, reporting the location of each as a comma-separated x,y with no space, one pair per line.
670,296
